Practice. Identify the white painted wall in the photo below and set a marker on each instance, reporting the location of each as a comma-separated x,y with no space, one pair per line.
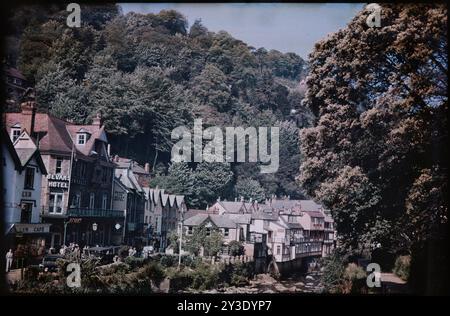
13,184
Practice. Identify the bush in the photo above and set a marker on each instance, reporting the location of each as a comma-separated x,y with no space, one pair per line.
152,271
134,262
180,280
167,261
333,271
31,273
205,277
116,268
354,279
236,248
237,274
187,260
354,272
402,267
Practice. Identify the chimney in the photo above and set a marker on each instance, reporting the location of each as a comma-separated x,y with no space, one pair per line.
242,199
97,120
147,167
29,115
218,199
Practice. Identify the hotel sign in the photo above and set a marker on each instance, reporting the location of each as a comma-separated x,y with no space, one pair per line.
58,181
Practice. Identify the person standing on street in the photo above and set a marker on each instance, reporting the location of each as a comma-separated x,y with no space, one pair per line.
9,260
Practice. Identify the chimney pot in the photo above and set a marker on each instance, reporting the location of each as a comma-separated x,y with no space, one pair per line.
97,120
29,113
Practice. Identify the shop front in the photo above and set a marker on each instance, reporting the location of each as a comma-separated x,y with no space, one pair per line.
28,242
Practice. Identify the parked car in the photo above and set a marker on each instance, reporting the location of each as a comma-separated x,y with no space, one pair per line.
49,263
104,254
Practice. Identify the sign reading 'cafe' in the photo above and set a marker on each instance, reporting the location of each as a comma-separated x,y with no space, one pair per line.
58,181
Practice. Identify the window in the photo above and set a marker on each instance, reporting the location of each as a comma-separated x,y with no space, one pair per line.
81,139
81,169
15,133
76,200
190,230
25,216
59,161
208,232
55,203
278,249
91,200
226,232
29,178
104,200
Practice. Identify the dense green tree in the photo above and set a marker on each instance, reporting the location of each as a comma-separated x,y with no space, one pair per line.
378,142
147,74
249,189
208,238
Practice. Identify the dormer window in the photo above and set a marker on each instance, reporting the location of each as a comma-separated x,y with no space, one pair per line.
81,139
83,136
15,133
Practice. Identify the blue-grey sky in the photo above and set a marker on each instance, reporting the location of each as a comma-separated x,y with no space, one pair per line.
287,27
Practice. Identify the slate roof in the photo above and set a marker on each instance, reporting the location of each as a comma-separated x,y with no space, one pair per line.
57,135
296,206
221,221
232,207
264,215
122,162
159,196
193,212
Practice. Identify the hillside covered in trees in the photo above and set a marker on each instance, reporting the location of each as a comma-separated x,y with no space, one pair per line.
147,74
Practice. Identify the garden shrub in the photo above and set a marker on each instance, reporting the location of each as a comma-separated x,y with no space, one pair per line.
354,279
402,267
167,261
205,277
134,262
152,271
236,248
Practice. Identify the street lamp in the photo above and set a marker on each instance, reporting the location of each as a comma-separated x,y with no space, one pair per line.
94,228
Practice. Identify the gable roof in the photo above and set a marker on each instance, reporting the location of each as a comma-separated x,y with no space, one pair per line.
56,135
11,150
221,221
233,207
26,150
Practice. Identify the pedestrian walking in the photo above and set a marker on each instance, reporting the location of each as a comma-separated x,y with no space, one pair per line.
9,260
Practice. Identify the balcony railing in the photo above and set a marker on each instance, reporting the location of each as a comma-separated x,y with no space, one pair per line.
89,212
283,240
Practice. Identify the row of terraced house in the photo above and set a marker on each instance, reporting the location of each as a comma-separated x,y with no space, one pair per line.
291,232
